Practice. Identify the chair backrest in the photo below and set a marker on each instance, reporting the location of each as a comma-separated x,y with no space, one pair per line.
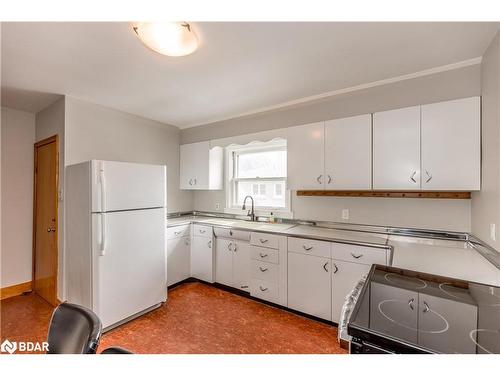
73,329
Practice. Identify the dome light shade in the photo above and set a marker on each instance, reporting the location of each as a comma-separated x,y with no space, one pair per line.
168,38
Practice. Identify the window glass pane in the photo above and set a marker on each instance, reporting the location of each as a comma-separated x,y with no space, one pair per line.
278,189
255,189
265,197
262,164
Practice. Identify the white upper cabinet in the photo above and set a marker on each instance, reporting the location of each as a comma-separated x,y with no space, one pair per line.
396,149
451,145
201,168
348,153
306,159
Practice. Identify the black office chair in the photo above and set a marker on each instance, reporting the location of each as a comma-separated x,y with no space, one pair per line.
75,329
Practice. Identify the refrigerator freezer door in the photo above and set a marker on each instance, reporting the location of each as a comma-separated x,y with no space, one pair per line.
125,186
129,274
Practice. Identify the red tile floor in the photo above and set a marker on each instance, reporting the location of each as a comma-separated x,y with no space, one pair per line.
197,318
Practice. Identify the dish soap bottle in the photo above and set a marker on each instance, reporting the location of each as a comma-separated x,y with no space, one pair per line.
271,218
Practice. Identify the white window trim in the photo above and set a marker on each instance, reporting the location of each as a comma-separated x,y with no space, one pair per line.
229,185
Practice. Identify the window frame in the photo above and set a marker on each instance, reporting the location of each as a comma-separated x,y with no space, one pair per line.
231,182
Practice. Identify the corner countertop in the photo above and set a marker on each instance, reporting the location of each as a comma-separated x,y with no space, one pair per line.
456,259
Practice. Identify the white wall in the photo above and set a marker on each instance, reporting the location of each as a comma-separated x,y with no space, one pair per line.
49,122
97,132
18,137
418,213
486,203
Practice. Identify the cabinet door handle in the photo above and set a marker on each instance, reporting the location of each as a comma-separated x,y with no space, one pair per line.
324,266
412,177
177,233
191,181
356,256
187,242
263,255
262,269
329,179
244,286
319,179
235,247
202,231
209,244
230,232
335,268
229,246
307,248
410,303
429,176
262,240
426,307
262,289
195,181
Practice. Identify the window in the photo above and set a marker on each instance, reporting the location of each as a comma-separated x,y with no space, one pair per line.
258,171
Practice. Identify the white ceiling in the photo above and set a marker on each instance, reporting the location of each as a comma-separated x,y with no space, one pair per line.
239,67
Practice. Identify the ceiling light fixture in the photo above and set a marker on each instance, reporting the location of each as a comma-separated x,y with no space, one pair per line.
168,38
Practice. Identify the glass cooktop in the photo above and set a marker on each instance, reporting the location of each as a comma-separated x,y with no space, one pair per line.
427,312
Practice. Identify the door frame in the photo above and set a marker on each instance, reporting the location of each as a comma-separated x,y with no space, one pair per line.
43,142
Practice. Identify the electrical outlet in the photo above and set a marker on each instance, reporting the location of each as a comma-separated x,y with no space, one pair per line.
345,214
217,206
493,231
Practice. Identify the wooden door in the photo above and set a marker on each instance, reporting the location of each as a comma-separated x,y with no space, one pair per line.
45,224
305,157
396,149
348,153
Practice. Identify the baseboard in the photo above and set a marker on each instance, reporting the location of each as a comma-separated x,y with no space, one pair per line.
15,290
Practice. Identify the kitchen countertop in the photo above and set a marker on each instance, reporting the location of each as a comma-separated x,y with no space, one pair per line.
450,258
294,230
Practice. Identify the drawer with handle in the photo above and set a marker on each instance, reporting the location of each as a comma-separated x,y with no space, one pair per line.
231,233
178,231
265,240
264,290
202,230
359,254
264,254
310,247
264,271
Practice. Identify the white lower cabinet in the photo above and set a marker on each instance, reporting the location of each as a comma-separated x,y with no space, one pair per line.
232,263
178,259
202,258
309,284
344,276
321,274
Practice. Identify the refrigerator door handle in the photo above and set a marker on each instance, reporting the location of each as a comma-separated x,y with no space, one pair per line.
103,188
102,247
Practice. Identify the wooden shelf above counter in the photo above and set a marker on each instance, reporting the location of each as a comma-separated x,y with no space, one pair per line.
385,194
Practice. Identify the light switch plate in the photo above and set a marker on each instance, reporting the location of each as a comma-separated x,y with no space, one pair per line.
493,231
345,214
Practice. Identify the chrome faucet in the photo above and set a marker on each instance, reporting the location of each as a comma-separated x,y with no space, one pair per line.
251,212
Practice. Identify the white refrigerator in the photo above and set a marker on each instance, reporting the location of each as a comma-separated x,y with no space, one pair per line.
115,243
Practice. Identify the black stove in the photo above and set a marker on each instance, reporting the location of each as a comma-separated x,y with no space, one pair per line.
403,311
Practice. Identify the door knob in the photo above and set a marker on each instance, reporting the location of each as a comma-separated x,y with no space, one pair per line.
51,230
